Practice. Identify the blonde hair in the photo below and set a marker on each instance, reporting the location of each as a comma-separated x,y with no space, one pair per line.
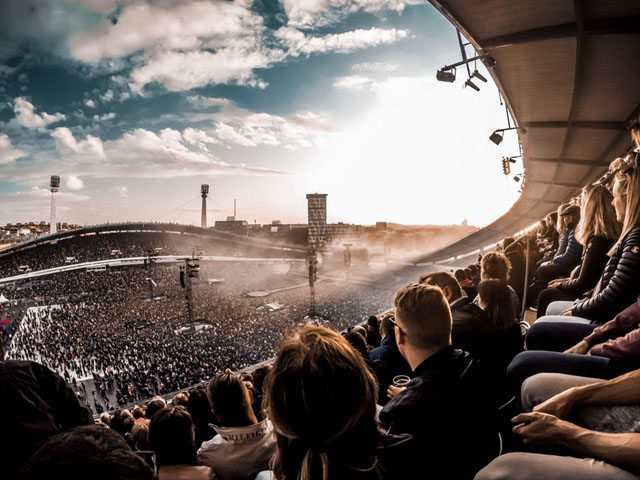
425,315
597,215
559,225
321,398
629,186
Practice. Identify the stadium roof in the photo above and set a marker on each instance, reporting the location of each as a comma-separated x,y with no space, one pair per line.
570,74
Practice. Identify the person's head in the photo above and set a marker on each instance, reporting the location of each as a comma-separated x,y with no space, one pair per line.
122,422
495,265
156,404
357,341
460,275
105,419
180,399
230,400
90,451
321,399
598,216
140,434
552,221
138,412
199,407
422,319
372,321
259,375
506,242
172,438
386,326
495,299
446,281
569,215
626,198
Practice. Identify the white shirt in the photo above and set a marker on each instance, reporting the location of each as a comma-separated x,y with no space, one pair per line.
239,453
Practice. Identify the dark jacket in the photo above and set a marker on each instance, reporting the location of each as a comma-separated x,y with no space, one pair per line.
386,363
587,274
619,285
37,404
446,410
570,250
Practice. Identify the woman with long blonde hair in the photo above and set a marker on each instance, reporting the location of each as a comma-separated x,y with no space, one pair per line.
597,230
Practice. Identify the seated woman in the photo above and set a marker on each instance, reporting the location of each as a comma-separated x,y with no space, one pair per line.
505,340
321,399
172,438
496,265
597,229
619,284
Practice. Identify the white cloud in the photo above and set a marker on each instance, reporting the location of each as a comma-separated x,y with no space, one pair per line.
199,101
179,71
26,116
90,103
106,116
190,44
69,145
315,13
299,43
137,154
7,153
107,96
354,82
74,183
373,67
120,190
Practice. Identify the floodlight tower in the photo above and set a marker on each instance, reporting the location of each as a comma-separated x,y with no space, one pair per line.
55,185
204,191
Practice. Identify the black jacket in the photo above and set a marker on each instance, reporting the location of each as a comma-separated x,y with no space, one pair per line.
446,410
36,404
594,259
620,283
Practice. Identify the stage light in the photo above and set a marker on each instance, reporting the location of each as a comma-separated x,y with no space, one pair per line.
496,137
477,75
469,83
446,76
516,179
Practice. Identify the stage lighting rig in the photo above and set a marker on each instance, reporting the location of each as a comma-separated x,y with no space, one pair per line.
496,136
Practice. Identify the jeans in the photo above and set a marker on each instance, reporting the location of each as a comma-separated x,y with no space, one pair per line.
557,336
527,364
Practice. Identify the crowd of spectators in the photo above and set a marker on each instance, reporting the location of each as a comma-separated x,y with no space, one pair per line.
438,384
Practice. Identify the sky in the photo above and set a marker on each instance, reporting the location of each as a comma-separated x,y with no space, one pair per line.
136,103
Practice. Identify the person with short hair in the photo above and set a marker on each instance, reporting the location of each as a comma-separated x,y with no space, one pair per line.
172,438
243,446
155,405
90,451
445,407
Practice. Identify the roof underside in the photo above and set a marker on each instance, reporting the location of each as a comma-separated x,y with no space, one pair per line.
570,74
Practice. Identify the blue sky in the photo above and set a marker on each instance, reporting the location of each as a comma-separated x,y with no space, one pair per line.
135,103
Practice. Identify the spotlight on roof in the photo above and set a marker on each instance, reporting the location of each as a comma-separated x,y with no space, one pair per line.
496,137
488,61
516,178
477,75
443,76
469,83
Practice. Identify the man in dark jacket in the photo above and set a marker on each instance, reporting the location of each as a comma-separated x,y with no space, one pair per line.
37,404
444,406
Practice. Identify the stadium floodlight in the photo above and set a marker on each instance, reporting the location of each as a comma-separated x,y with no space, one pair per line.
476,74
469,83
444,76
496,137
516,179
